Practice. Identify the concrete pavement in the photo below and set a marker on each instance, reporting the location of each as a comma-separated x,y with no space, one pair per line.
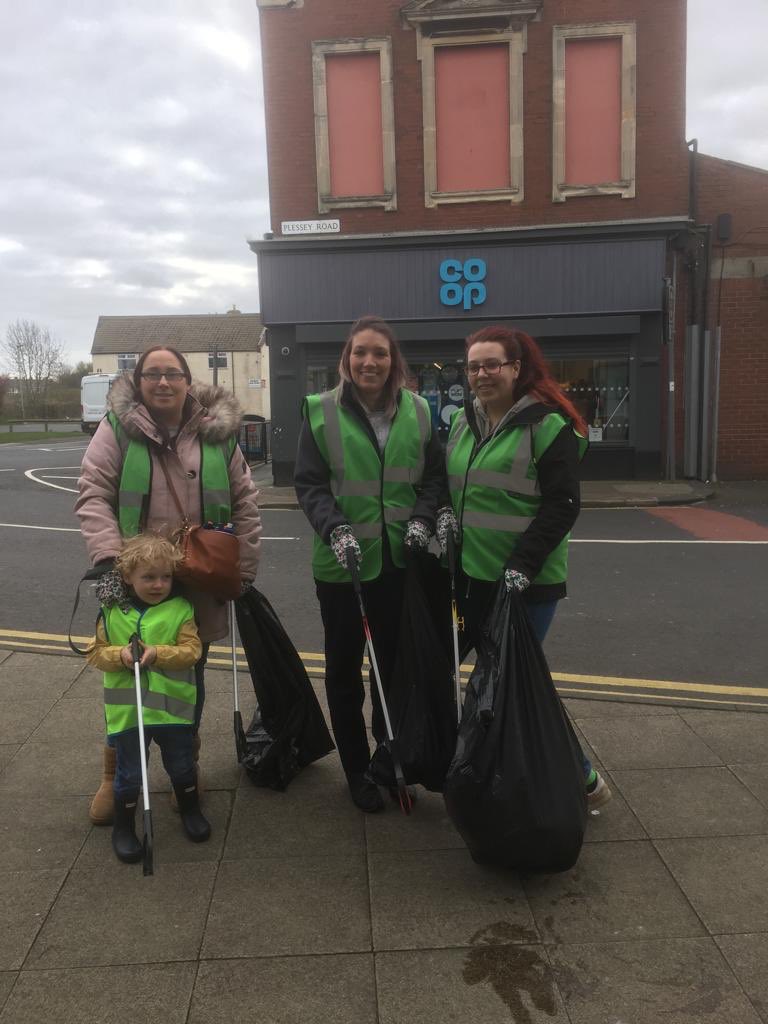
301,909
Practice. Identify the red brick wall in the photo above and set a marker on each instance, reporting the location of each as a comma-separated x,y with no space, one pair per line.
724,187
662,168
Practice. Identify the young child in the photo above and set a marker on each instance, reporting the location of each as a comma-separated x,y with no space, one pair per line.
170,647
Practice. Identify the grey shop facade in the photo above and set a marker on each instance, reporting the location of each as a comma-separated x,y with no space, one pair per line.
591,296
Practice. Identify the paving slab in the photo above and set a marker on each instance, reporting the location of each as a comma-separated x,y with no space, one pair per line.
38,832
491,984
72,722
36,676
217,713
439,898
20,719
616,891
7,752
747,956
646,742
614,821
313,814
7,979
676,802
579,708
53,769
755,778
724,877
86,685
161,917
734,735
218,759
338,989
679,981
25,899
289,906
151,994
427,828
4,654
171,844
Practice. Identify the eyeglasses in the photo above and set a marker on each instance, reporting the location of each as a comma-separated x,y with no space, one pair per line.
492,367
172,376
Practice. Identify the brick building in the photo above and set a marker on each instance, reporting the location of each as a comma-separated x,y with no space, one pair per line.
452,163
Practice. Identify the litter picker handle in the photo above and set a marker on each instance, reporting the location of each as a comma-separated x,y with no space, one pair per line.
354,570
135,648
451,552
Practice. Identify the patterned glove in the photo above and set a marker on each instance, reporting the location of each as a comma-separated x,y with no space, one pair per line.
111,590
446,521
417,535
245,586
516,581
342,539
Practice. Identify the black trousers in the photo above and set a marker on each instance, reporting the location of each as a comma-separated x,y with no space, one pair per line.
344,648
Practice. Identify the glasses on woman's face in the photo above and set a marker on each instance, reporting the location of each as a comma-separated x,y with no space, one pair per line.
172,376
492,367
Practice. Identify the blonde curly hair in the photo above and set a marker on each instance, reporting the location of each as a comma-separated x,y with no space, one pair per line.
147,549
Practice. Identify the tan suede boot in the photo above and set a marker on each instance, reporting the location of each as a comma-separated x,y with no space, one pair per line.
102,807
198,773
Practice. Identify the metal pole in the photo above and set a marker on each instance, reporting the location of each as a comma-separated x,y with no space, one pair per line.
215,352
715,404
671,470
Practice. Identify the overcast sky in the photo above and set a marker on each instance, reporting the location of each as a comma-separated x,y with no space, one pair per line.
132,155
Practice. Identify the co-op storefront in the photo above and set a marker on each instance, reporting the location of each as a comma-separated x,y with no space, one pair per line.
593,302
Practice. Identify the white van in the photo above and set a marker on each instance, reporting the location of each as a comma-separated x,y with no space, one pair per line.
93,399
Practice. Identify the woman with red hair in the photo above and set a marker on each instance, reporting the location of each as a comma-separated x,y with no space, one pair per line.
513,466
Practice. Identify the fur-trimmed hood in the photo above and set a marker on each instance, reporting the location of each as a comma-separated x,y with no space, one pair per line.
212,412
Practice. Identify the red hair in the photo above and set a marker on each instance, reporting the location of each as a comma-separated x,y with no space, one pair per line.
535,377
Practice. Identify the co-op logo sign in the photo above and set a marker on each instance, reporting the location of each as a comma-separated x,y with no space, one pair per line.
463,282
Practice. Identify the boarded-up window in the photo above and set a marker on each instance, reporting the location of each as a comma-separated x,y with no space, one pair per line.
472,117
592,111
353,89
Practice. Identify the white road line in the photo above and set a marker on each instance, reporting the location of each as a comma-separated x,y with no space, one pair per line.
584,540
30,474
74,529
56,476
7,470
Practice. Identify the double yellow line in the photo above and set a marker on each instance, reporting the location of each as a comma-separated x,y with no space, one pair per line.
657,691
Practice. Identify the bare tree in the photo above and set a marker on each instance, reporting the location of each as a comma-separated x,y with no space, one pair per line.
36,357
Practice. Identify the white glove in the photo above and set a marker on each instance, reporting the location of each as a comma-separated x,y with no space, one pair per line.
342,540
446,521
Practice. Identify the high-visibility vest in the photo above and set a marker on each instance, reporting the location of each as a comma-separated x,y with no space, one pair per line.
136,480
168,697
495,494
373,492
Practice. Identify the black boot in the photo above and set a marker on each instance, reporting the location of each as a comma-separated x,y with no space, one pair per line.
196,825
365,794
125,843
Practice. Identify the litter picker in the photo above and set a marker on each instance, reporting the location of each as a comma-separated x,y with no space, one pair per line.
240,743
402,790
148,841
455,619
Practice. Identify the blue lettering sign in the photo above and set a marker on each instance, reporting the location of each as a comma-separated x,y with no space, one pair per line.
463,283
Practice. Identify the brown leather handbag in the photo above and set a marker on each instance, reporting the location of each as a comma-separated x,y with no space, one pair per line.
211,561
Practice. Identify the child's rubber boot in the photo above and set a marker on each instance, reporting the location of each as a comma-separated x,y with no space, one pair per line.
125,842
198,773
102,806
196,825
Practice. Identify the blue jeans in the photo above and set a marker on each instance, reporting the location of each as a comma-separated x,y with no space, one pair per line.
175,742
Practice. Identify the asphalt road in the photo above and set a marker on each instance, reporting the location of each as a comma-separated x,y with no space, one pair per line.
642,604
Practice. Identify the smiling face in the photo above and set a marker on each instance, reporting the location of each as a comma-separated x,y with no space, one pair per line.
495,389
163,397
151,582
370,363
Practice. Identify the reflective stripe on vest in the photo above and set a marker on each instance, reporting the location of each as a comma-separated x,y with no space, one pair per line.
168,697
136,480
373,492
495,494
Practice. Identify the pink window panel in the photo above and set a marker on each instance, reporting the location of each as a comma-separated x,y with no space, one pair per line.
592,111
472,117
353,89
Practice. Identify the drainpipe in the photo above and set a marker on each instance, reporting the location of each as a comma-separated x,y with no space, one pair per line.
671,303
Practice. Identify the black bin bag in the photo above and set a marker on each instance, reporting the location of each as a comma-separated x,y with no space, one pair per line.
421,700
515,789
288,730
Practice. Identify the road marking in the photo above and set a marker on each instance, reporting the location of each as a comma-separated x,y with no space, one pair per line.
710,524
589,540
26,526
30,474
7,470
57,476
604,687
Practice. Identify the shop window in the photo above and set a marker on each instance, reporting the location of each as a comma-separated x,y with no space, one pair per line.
599,388
594,123
442,385
221,360
126,360
354,123
320,378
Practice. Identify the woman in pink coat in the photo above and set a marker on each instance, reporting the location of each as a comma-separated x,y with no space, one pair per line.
160,407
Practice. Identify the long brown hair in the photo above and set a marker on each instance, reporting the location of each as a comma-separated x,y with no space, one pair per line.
160,348
535,377
398,371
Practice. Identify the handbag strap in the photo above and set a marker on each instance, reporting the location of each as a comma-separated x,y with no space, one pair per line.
172,489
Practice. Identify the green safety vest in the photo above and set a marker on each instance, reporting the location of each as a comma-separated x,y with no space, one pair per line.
374,492
136,480
168,697
495,494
